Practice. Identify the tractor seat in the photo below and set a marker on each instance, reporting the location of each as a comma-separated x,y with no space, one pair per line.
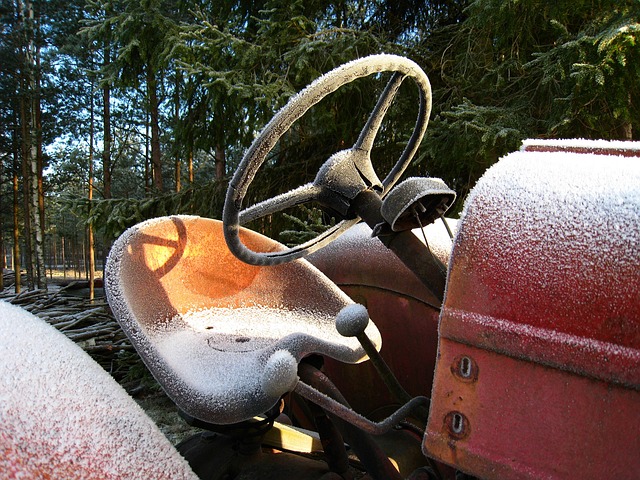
221,337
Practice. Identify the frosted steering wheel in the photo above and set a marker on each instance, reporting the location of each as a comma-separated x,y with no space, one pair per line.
343,176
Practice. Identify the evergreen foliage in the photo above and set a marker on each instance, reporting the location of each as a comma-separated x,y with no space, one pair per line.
524,68
192,83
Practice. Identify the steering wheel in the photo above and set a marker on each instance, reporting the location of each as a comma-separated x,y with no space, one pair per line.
343,176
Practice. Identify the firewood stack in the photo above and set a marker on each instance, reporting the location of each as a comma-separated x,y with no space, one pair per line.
89,323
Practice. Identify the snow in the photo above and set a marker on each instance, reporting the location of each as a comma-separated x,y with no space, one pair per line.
551,241
581,144
221,352
352,320
280,372
63,416
557,203
252,328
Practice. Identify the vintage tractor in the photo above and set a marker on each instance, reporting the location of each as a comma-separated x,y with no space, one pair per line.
503,345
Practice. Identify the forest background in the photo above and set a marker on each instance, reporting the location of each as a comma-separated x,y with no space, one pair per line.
114,111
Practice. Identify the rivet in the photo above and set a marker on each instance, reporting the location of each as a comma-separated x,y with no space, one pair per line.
465,368
457,425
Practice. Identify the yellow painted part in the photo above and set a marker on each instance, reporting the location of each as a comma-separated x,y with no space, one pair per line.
293,439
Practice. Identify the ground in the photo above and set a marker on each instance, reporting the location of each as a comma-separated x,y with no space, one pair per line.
165,414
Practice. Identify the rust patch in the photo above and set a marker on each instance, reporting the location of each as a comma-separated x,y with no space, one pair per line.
465,368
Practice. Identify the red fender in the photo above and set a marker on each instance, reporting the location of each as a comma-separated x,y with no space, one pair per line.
63,416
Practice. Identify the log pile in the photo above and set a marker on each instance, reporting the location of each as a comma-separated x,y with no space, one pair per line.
89,323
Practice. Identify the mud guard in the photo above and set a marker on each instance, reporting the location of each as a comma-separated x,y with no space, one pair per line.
537,373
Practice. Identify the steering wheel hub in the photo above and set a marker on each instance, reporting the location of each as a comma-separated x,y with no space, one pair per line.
344,175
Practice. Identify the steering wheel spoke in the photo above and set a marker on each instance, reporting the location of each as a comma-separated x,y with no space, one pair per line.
345,173
370,130
305,193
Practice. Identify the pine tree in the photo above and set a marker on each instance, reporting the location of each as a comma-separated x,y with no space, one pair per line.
518,69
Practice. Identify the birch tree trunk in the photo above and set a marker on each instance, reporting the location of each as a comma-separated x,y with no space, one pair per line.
41,268
90,238
26,178
34,168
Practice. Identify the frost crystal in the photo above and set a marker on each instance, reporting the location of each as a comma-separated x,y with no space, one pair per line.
206,324
63,416
550,243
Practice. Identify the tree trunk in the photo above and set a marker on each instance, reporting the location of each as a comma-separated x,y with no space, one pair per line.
26,189
107,140
221,162
2,247
148,168
156,160
38,240
190,142
106,152
90,239
106,126
16,220
54,254
176,119
37,194
190,166
626,129
178,173
63,247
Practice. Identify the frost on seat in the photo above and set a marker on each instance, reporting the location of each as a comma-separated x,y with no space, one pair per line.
210,327
63,416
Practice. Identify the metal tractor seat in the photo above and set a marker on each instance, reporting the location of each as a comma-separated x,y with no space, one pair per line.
223,338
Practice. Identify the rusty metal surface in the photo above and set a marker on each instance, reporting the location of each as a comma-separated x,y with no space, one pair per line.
410,332
539,358
547,267
597,147
400,306
521,420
